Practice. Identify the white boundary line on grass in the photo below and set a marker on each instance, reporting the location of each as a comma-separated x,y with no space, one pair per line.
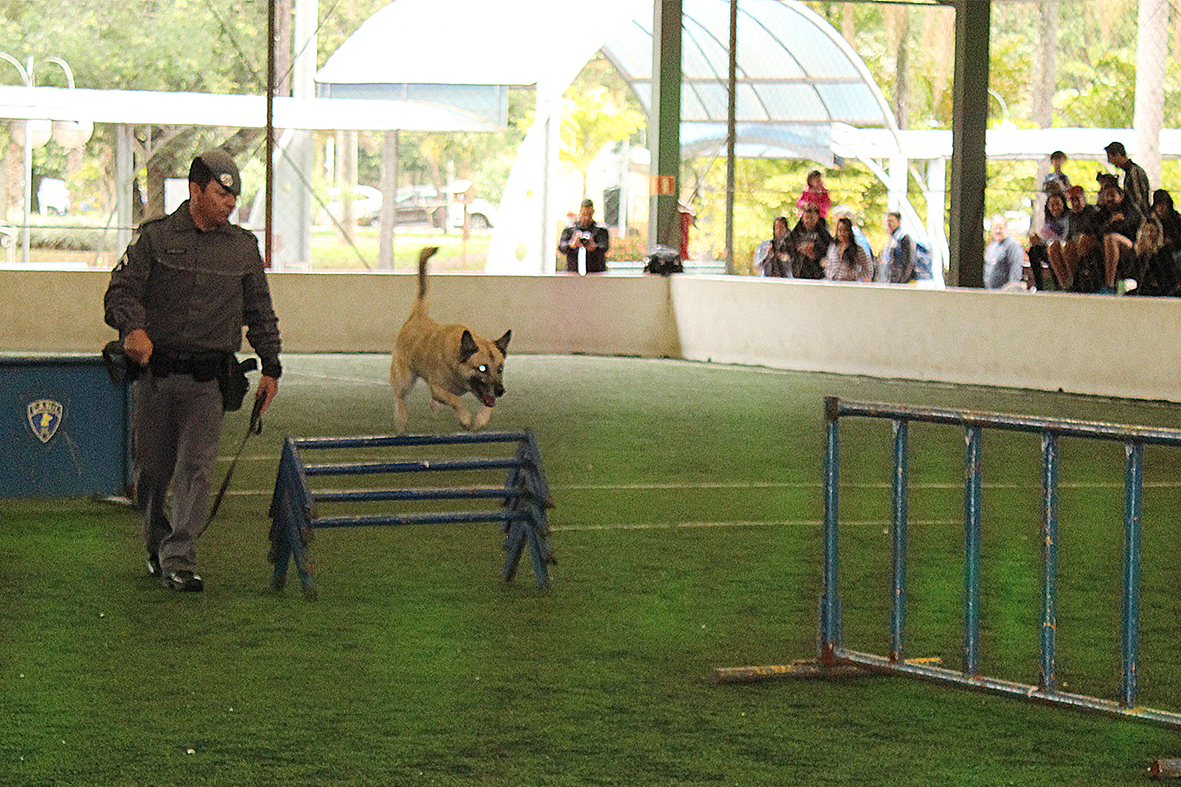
745,523
782,485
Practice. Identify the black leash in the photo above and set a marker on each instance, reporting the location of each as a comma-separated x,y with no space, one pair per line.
255,427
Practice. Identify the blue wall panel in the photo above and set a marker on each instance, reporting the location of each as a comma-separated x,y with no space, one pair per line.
64,428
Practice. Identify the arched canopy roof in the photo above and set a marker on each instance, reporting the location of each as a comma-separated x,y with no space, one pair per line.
796,75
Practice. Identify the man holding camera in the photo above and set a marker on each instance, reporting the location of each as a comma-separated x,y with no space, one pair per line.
179,298
589,238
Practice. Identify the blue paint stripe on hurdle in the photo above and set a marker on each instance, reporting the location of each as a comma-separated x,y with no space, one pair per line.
411,466
463,517
525,496
388,441
442,493
831,653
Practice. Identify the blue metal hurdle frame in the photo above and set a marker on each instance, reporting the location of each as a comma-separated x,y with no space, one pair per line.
832,654
525,498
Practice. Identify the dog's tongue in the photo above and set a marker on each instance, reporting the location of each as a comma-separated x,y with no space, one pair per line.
489,400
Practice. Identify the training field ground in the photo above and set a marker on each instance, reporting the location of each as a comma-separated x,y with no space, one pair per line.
687,531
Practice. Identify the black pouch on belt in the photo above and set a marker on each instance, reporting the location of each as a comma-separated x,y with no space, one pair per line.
232,381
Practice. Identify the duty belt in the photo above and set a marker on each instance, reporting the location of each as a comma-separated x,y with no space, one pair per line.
203,366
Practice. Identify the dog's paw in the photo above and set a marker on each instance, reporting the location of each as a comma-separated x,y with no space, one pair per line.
401,416
483,416
465,418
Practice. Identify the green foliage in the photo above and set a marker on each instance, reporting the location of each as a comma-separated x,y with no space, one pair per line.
1107,96
597,111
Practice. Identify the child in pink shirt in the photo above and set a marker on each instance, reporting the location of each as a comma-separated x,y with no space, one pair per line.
815,194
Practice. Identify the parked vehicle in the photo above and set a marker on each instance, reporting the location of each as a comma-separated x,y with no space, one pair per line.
53,197
419,205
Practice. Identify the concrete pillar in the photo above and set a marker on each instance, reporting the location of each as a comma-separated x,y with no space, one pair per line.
124,172
968,128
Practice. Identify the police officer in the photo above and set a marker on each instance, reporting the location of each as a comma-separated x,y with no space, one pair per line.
179,298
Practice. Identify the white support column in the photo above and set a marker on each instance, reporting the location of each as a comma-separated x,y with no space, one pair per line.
896,187
124,172
1152,52
936,197
549,106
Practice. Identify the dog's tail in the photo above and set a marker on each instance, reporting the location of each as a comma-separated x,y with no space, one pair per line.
423,256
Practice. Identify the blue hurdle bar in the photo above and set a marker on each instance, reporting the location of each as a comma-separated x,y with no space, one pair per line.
832,654
898,543
525,497
1047,677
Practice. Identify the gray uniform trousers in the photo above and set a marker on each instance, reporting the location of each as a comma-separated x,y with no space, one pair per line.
175,432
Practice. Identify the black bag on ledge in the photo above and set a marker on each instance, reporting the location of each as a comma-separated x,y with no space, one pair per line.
663,261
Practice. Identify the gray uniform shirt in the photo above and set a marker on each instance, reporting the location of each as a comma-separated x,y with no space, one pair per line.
193,290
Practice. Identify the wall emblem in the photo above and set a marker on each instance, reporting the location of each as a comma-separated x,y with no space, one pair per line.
45,416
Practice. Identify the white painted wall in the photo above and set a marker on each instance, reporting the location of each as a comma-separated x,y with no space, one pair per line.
1080,343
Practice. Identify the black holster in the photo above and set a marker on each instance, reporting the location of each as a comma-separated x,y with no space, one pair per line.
119,367
232,381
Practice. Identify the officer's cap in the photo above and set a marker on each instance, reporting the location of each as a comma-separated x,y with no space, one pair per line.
223,169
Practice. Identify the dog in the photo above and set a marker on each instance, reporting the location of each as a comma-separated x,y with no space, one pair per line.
450,358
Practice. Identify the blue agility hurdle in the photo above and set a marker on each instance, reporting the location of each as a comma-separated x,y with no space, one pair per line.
832,656
524,497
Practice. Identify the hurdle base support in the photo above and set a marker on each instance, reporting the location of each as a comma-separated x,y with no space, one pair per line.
803,668
1165,769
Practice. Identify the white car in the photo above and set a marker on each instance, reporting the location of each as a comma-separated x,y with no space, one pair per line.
53,197
480,213
366,204
414,205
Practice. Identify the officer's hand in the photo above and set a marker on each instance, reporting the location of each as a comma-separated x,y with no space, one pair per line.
138,346
267,387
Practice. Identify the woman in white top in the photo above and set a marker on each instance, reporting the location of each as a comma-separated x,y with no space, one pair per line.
846,260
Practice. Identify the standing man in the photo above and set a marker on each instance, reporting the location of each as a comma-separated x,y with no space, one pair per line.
1135,184
1004,257
898,258
179,298
585,234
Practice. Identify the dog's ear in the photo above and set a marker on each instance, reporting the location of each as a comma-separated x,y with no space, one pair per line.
467,346
502,342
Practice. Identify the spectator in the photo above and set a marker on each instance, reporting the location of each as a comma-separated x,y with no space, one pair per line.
588,235
1170,219
1055,230
1155,274
809,241
1104,179
1135,184
773,257
1119,223
1056,180
846,260
897,262
816,194
1080,247
1003,259
859,235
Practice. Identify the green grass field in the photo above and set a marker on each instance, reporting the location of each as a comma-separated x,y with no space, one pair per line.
687,531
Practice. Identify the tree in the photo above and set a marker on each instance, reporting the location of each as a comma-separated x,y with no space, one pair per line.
591,120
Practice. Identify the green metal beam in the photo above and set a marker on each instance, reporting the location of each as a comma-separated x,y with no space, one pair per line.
969,124
664,125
